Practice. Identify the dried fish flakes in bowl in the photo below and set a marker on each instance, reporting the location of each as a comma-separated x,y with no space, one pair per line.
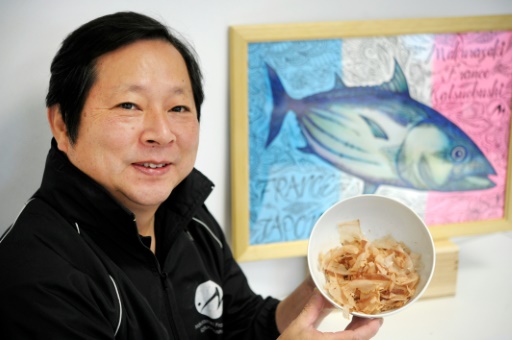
378,263
369,277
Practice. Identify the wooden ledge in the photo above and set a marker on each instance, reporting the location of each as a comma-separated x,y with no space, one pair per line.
444,280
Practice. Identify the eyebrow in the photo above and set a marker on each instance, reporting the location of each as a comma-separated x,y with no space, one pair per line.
177,90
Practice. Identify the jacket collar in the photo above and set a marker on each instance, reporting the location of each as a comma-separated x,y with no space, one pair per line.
81,200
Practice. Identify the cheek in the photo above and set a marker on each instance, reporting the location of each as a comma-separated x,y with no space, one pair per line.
190,139
102,144
188,142
116,135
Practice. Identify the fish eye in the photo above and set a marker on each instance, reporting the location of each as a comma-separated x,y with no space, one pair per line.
459,153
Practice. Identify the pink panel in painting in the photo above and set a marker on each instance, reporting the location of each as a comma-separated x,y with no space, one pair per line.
471,86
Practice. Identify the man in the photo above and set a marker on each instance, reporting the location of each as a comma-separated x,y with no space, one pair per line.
117,242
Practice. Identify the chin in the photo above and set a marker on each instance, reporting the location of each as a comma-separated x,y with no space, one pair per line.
155,201
147,200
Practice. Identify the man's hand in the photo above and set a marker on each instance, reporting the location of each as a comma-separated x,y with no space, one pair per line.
303,327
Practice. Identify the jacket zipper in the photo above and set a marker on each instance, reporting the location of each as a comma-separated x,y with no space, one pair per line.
168,308
165,285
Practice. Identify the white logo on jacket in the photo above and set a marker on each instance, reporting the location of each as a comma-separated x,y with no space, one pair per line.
208,300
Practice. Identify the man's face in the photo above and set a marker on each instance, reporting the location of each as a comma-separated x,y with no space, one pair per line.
139,132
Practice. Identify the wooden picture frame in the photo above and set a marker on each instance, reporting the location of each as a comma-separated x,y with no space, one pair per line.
314,47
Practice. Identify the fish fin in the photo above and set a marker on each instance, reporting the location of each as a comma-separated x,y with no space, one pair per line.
338,82
398,83
370,188
375,128
307,149
280,100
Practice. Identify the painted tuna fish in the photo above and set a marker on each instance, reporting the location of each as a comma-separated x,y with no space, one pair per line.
383,136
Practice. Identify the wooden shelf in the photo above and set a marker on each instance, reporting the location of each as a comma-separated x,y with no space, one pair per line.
444,280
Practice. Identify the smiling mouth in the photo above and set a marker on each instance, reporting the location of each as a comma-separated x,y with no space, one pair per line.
154,165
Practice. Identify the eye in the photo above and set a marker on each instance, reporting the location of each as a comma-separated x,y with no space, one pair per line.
459,153
127,106
180,108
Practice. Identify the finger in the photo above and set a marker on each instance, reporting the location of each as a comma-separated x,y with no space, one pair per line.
357,322
364,328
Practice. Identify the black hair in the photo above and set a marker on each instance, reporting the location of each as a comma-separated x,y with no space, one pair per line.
73,68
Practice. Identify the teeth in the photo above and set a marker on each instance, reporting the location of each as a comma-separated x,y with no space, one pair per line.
153,166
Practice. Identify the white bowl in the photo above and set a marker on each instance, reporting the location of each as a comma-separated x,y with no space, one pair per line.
379,216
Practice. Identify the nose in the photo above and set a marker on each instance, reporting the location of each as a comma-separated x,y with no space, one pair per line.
158,129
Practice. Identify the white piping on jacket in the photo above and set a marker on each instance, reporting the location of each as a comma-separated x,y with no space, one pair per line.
13,223
117,294
209,230
120,305
78,230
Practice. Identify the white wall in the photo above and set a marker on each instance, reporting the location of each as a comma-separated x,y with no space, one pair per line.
31,32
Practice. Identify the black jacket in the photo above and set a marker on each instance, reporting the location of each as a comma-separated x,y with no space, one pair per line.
73,266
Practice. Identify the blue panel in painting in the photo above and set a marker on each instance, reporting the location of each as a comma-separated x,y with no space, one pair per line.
289,187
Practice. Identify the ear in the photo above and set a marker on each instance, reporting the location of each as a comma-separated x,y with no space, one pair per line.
58,127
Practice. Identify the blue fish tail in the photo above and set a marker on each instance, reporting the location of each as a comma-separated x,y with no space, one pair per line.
370,188
281,100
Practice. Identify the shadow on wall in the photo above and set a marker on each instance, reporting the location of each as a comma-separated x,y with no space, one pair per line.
25,139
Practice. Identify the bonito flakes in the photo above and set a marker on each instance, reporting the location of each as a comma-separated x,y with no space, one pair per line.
369,277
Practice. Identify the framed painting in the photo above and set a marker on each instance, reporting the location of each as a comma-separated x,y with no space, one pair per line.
415,109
